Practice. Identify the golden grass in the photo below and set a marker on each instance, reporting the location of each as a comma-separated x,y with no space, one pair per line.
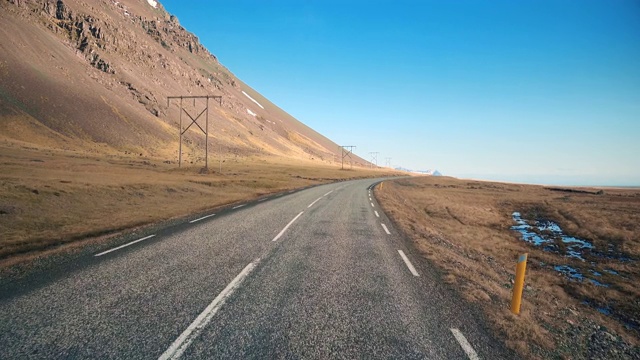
50,198
463,227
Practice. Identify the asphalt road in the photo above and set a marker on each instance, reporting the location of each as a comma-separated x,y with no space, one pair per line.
307,275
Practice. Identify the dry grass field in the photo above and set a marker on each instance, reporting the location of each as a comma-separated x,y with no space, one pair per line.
464,228
53,198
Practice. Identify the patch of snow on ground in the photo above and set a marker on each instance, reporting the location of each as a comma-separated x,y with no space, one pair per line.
251,112
153,3
252,99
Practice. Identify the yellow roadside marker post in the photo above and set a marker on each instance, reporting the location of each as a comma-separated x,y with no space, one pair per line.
516,300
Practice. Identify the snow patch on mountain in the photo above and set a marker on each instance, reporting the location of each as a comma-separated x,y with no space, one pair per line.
153,3
422,172
251,113
252,99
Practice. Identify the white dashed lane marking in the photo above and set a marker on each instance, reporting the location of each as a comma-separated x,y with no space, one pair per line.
408,263
318,199
125,245
202,218
185,339
465,344
385,229
286,227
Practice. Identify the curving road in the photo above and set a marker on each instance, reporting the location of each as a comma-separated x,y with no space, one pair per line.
316,274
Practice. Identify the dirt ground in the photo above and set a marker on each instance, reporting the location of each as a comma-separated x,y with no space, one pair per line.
465,229
52,198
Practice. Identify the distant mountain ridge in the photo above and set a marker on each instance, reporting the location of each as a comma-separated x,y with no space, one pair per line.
423,172
96,76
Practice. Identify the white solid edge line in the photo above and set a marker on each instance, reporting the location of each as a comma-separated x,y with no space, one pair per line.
202,218
238,207
465,344
385,229
408,263
286,227
125,245
328,193
185,339
318,199
377,215
263,199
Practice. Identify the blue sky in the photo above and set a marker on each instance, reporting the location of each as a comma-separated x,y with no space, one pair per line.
528,91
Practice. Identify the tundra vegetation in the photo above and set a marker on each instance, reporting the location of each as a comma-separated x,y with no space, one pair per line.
53,201
581,298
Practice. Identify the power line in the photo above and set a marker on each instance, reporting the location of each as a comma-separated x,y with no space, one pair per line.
194,120
347,153
374,158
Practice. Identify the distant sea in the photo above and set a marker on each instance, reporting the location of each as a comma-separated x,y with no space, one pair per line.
544,182
614,187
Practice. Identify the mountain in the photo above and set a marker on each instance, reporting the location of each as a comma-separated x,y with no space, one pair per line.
423,172
95,76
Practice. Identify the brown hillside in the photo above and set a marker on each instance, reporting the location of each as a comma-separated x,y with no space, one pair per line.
96,76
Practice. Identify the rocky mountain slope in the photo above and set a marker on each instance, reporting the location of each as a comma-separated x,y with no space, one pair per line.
95,76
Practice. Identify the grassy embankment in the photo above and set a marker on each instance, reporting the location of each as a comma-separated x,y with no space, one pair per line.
50,199
463,227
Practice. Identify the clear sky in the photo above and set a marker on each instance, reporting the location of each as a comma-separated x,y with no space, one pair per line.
528,91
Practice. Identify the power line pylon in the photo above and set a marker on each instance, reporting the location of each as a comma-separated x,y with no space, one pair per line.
195,121
347,153
374,158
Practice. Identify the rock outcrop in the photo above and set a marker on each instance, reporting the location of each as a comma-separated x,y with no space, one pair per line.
133,55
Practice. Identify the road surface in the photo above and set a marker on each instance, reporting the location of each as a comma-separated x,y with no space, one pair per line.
314,274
